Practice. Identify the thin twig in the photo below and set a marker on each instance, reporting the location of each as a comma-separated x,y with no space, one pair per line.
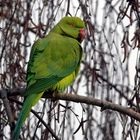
8,110
68,7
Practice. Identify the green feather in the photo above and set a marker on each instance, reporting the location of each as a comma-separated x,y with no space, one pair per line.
29,102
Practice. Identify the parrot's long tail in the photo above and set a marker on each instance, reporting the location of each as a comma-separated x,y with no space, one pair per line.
30,101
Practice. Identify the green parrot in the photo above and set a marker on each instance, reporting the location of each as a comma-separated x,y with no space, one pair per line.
54,64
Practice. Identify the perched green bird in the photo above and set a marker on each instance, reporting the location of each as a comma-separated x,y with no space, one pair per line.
54,64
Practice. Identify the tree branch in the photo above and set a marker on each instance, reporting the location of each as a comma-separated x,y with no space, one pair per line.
83,99
101,103
97,102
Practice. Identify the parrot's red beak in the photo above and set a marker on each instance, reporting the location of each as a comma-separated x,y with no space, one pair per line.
82,34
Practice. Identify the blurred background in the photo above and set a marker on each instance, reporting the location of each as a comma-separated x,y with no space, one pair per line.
109,70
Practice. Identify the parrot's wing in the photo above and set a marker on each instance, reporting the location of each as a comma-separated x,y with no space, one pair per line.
53,58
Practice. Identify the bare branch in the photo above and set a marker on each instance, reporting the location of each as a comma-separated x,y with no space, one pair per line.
90,101
101,103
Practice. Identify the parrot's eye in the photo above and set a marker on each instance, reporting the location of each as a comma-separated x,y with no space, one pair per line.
71,25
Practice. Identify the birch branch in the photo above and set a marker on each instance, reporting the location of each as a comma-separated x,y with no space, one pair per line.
87,100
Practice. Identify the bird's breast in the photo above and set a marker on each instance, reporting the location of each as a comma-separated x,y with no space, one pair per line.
65,82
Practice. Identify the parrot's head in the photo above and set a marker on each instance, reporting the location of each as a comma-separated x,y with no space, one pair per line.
73,27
